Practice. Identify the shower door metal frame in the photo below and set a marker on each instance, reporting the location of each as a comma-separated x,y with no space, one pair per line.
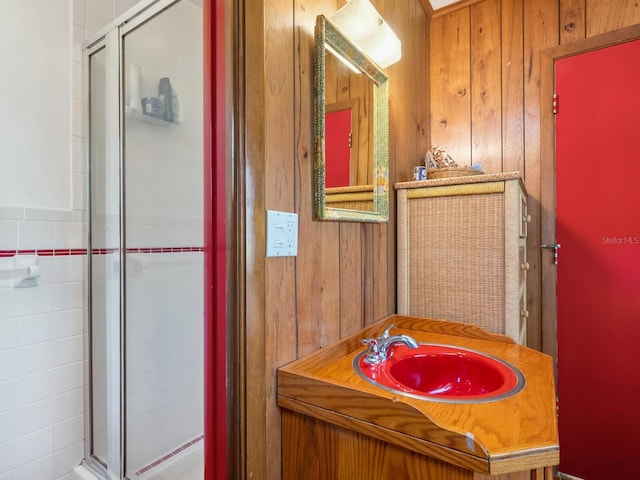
114,329
111,39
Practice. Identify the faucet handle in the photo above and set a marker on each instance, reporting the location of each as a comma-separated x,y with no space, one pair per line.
386,333
373,351
371,343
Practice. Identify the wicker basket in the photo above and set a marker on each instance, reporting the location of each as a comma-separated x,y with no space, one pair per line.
447,172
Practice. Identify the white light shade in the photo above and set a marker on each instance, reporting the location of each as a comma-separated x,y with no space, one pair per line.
361,23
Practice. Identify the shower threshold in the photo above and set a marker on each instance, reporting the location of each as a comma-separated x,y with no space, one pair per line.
185,463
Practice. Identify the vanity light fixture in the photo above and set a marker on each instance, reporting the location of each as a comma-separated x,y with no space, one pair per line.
361,23
340,57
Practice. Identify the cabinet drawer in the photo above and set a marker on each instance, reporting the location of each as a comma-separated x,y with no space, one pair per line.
524,265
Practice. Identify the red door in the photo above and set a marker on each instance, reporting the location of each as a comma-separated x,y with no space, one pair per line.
337,148
598,274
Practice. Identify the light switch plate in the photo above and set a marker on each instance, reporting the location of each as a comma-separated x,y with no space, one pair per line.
282,234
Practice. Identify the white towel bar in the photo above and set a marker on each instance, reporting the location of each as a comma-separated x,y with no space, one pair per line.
19,271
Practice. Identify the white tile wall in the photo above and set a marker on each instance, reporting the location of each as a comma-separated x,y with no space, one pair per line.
35,139
41,370
164,354
9,234
33,234
42,328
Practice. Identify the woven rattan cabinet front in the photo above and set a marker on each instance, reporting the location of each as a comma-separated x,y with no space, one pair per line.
462,251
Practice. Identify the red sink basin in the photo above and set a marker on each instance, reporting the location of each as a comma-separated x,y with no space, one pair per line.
443,373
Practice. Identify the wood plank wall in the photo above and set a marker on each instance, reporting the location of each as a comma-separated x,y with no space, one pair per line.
485,89
344,275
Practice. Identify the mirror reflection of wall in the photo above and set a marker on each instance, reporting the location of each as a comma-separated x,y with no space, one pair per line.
348,124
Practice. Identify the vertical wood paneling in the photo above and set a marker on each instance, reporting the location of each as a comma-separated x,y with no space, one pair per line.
317,287
421,60
572,20
548,298
367,274
540,32
382,297
611,15
451,85
351,278
399,17
486,92
335,453
254,237
512,86
280,274
402,78
408,132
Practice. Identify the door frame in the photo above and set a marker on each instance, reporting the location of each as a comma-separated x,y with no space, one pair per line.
218,430
548,163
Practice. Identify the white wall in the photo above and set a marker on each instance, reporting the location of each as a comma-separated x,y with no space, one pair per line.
35,128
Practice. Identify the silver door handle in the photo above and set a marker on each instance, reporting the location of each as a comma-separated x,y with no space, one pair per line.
554,247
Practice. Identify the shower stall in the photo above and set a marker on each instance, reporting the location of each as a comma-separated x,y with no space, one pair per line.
145,247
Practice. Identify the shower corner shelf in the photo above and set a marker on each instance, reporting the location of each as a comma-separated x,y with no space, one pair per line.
138,115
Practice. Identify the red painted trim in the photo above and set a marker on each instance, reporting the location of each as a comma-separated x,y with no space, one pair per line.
215,312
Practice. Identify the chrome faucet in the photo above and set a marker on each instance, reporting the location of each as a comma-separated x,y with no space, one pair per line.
378,348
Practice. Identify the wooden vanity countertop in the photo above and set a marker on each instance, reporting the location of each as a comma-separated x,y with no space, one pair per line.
508,435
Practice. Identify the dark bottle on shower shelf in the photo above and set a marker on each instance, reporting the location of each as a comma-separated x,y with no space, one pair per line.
167,98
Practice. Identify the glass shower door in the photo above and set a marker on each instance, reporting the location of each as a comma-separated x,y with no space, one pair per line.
163,224
145,257
104,208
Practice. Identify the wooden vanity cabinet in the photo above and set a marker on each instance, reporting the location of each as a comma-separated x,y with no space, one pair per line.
317,450
462,251
338,426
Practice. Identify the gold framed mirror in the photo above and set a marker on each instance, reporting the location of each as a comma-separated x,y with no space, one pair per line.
358,197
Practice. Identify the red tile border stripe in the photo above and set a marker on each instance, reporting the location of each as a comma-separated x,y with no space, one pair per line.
66,252
164,250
